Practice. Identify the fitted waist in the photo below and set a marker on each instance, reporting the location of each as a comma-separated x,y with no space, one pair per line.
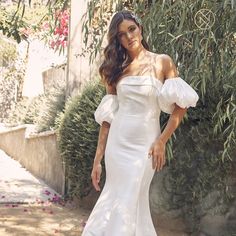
136,126
145,114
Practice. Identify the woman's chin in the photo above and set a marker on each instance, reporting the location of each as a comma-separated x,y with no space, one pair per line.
133,48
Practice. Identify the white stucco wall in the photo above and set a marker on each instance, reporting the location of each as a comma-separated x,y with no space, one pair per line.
79,70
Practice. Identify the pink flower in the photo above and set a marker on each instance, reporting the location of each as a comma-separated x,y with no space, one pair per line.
59,36
64,44
65,31
47,192
52,45
58,31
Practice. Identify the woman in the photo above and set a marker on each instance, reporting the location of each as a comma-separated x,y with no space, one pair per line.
139,85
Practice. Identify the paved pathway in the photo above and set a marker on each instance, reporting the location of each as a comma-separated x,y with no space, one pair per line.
19,185
28,207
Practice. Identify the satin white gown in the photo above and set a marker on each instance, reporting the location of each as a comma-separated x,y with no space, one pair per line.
122,208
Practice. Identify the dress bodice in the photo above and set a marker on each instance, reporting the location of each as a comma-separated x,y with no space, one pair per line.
137,95
145,95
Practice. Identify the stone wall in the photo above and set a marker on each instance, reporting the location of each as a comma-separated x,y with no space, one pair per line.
213,224
54,77
38,153
212,221
79,68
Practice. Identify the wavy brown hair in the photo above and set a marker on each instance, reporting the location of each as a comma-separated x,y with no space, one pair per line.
116,56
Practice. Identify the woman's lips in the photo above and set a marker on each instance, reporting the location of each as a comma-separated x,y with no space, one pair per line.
131,43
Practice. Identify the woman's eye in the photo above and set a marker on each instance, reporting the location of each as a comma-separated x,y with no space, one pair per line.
132,29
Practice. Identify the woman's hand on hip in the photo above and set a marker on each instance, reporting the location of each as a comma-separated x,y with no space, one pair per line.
157,153
96,174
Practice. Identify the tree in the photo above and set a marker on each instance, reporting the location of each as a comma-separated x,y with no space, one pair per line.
16,20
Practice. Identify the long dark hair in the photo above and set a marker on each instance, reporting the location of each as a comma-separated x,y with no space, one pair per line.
116,56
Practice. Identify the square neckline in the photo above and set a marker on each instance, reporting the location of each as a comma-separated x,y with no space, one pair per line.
128,76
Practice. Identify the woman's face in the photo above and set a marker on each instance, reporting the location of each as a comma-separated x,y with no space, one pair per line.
129,35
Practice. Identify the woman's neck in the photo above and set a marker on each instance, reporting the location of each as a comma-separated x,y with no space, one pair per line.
138,54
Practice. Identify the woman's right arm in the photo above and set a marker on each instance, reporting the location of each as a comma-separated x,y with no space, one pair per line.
103,133
97,167
102,140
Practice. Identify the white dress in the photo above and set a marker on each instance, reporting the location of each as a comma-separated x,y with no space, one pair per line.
122,208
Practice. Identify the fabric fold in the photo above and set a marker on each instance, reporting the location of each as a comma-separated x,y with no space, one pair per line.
106,109
176,90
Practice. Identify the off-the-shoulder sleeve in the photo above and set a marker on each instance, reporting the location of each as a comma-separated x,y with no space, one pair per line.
106,109
176,90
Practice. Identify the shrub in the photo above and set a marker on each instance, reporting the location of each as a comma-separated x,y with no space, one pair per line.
33,109
10,86
7,97
51,108
78,133
43,111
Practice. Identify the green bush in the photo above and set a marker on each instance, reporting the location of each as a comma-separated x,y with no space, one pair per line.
78,134
7,97
44,110
10,84
51,109
8,53
33,109
26,111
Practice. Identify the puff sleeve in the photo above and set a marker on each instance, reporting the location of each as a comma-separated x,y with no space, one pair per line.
176,90
106,109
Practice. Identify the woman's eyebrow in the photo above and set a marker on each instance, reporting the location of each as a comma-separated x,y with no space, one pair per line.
128,28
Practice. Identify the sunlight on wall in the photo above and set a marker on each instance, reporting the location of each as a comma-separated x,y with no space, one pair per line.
40,58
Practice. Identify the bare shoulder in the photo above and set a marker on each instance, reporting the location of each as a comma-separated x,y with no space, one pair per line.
168,66
163,58
155,56
165,66
158,56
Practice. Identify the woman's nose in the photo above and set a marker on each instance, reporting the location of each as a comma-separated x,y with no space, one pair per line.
128,35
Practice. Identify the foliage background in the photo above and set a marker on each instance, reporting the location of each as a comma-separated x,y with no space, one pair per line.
11,77
204,148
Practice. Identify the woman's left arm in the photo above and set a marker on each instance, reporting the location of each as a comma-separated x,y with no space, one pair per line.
158,148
